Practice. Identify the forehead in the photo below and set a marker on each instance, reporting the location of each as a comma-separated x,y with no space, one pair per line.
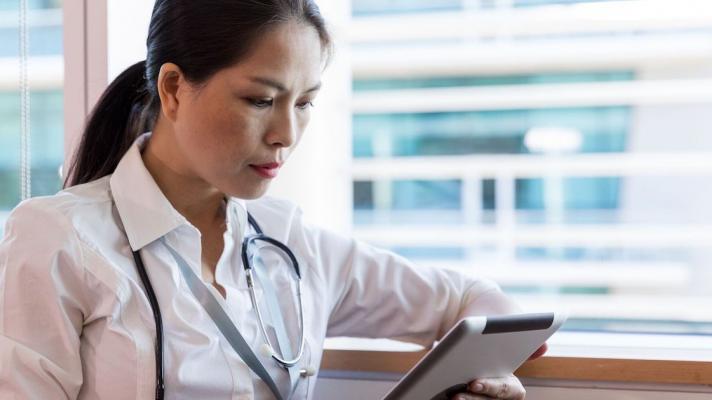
291,53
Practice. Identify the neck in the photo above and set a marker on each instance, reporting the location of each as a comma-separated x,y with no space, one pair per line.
199,202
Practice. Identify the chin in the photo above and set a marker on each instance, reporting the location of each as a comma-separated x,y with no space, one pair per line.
252,196
247,193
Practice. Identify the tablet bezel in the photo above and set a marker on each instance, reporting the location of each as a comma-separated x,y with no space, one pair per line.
544,324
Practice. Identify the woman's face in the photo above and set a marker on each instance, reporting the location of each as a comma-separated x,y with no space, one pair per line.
236,130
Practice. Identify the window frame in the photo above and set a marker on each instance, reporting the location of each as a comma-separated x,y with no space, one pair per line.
85,65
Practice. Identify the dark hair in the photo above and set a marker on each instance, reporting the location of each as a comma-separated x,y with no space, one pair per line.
201,37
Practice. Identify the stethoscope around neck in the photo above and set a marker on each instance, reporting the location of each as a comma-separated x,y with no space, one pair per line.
248,244
268,347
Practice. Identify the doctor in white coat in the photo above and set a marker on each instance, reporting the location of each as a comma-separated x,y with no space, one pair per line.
171,167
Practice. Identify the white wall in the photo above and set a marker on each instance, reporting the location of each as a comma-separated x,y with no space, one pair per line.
127,27
317,175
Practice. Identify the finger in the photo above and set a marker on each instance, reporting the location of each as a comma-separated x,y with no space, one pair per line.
507,387
539,352
470,396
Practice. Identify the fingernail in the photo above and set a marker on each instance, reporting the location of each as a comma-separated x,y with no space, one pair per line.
478,387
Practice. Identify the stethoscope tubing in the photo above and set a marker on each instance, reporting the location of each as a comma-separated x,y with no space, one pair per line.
286,363
158,320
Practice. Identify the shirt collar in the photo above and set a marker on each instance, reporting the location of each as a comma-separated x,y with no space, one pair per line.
144,210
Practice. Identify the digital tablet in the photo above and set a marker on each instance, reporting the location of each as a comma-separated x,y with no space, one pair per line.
476,347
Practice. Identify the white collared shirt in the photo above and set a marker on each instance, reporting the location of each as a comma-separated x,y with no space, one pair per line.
75,321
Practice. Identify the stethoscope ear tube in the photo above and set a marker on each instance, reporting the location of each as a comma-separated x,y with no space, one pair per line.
160,386
261,236
247,254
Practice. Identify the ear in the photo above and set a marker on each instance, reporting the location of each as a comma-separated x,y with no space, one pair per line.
171,87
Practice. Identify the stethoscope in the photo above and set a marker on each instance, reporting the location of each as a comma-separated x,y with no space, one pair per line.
247,256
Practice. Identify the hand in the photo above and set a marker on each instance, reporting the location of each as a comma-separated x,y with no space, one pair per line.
507,388
499,388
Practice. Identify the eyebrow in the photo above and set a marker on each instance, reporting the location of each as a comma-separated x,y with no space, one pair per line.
280,87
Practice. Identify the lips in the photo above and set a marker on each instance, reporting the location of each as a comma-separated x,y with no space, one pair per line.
268,170
268,165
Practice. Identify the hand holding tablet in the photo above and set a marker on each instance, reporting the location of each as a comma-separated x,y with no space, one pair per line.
478,347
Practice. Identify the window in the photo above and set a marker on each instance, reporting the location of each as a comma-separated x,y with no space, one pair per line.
565,162
45,66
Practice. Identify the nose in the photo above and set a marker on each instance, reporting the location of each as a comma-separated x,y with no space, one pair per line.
283,131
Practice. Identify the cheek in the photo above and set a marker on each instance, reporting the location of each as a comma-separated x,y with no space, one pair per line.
217,138
303,123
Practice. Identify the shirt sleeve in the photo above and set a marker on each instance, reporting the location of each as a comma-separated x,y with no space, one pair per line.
41,312
377,294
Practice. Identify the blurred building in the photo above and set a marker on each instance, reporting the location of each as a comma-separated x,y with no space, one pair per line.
561,147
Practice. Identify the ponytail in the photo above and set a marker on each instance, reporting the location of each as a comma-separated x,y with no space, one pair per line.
125,110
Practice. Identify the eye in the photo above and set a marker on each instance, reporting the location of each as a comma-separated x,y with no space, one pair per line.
260,103
304,105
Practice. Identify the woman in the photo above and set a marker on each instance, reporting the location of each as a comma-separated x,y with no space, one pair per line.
157,196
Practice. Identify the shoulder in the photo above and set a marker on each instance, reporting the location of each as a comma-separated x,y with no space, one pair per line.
59,217
43,255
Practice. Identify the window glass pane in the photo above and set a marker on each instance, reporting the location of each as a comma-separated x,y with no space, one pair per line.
578,193
375,7
361,85
603,129
579,175
46,101
370,7
12,5
404,201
